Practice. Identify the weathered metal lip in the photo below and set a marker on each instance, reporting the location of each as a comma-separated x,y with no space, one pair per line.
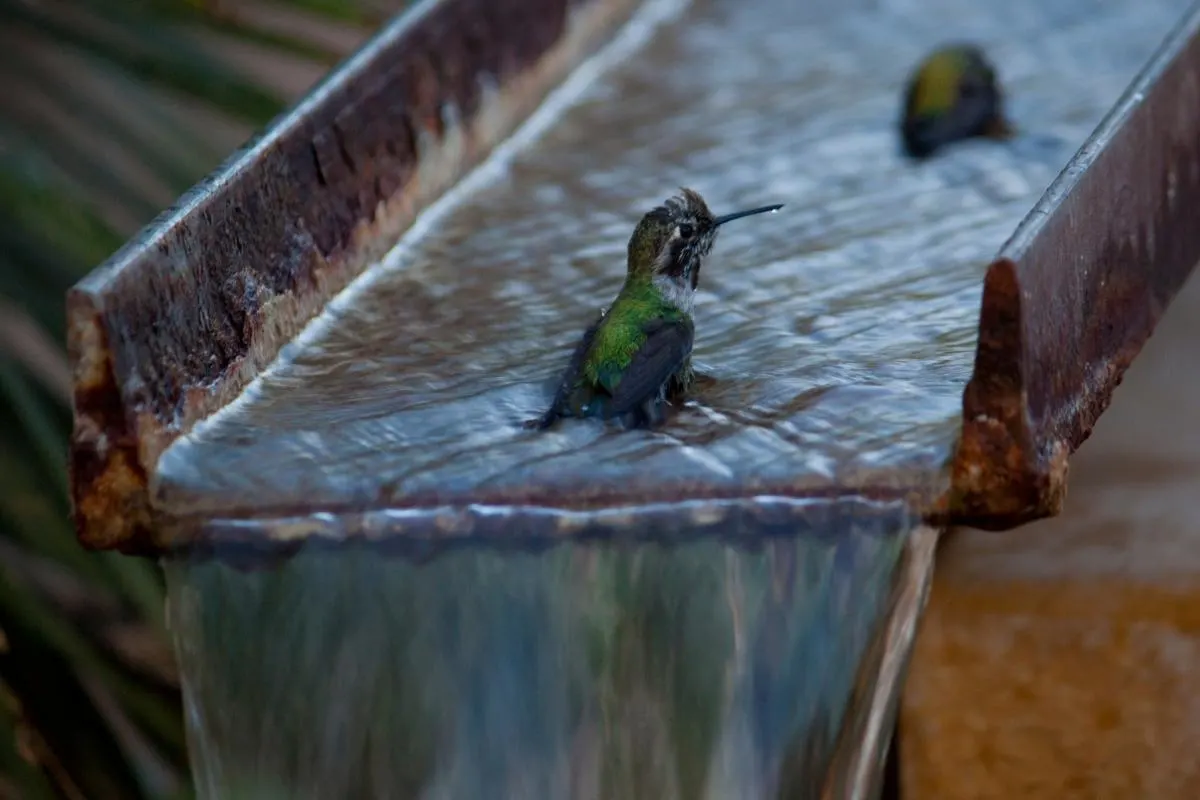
160,337
536,507
1077,290
429,532
327,196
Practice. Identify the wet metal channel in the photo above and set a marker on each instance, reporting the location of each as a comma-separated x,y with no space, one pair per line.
385,586
836,335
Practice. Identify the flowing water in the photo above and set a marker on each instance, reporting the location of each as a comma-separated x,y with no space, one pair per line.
588,670
835,338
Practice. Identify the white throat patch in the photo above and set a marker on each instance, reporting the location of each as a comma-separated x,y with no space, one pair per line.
676,291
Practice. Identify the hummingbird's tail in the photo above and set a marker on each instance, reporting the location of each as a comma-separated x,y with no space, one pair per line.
543,422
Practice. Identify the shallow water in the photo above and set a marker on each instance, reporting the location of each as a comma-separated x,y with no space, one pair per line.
839,332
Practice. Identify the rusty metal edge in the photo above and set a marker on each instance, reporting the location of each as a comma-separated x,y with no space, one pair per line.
182,317
1077,290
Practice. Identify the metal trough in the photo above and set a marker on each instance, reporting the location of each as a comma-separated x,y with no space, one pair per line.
804,486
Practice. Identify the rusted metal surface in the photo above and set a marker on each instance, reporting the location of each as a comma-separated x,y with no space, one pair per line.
398,412
1076,292
176,323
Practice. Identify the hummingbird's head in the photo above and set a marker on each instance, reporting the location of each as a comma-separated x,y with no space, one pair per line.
671,241
953,95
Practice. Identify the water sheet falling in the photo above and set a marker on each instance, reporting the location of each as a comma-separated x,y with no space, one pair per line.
590,669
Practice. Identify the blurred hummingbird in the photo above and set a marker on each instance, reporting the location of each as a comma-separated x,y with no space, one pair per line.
638,352
953,95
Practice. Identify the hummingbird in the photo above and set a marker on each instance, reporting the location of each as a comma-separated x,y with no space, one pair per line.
953,95
638,351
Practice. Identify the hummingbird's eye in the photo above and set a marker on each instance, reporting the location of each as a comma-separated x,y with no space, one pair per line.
686,231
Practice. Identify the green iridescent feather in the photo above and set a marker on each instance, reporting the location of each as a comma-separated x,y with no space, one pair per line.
622,332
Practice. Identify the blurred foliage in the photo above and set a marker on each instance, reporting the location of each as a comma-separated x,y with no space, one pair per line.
110,109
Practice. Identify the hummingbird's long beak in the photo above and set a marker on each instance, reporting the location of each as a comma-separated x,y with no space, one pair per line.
739,214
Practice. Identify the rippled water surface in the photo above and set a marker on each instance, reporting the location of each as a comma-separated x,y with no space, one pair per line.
838,333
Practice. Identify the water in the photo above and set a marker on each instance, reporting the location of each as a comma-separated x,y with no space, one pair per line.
838,333
835,337
589,670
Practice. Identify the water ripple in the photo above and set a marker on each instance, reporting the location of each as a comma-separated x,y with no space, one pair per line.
839,333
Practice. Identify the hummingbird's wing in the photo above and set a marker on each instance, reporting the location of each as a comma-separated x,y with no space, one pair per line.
570,376
668,344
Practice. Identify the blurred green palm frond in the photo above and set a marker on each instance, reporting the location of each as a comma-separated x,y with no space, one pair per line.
109,110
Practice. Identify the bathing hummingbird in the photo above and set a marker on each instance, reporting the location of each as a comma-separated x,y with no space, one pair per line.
638,351
952,95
